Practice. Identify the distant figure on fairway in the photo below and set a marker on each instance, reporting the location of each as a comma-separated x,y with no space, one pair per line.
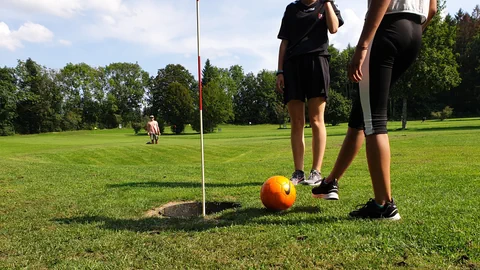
389,44
153,130
304,74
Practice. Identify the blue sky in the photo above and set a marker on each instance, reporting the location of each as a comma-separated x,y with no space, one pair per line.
155,33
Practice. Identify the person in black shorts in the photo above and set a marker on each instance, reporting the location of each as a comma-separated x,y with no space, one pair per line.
389,44
303,73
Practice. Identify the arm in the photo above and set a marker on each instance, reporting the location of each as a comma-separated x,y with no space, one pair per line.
375,14
432,10
281,56
374,18
332,20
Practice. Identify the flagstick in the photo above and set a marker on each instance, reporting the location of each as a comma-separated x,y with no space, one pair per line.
201,113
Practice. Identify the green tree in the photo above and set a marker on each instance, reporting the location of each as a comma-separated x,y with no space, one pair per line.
209,73
257,101
237,74
243,100
338,71
127,83
217,107
82,90
338,108
39,99
436,68
8,101
466,97
267,98
178,107
165,77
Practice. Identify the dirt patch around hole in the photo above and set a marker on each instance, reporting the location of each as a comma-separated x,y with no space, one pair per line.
190,209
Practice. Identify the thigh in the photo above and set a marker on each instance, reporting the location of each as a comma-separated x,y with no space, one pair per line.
296,110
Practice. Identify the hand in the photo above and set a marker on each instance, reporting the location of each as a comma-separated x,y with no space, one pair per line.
280,84
355,67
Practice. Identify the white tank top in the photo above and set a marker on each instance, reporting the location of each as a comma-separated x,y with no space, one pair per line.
419,7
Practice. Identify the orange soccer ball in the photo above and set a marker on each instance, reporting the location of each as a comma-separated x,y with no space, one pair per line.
278,193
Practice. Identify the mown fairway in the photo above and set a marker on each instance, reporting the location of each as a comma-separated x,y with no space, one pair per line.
78,200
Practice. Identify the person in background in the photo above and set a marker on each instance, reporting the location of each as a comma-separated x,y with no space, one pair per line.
153,130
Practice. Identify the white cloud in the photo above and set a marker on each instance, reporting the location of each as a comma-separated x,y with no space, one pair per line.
350,32
242,32
160,25
6,38
30,32
51,7
33,32
65,42
61,8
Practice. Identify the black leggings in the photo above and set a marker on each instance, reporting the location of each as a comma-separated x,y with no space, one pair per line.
395,47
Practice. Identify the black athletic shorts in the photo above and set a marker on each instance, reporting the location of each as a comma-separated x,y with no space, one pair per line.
395,47
306,76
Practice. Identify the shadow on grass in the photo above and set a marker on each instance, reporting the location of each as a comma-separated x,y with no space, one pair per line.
420,129
247,216
144,134
181,185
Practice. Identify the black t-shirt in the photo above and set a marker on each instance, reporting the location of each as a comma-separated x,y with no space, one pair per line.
297,21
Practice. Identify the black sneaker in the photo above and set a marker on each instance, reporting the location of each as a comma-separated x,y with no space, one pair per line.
327,191
298,177
372,210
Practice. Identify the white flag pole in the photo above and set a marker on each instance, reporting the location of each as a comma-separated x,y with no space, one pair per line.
201,114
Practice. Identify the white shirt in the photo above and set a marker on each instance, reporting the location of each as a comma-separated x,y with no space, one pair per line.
419,7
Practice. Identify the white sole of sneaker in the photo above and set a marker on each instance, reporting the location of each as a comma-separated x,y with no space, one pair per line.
330,196
396,217
312,184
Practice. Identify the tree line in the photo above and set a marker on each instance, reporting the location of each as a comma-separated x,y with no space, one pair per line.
35,99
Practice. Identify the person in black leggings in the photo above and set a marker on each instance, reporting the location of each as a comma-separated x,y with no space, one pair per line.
389,44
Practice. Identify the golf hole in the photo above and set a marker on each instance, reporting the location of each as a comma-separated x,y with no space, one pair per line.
190,209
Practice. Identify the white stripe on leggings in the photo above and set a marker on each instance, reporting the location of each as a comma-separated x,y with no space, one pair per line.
365,94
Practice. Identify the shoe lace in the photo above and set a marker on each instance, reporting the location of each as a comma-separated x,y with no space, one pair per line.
314,173
298,175
365,205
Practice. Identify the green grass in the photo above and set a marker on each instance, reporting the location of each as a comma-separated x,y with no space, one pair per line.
77,200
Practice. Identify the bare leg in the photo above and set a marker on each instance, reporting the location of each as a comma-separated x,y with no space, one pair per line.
378,157
316,110
350,147
296,109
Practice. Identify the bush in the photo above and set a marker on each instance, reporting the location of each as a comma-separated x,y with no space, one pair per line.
177,129
6,129
338,108
447,112
137,127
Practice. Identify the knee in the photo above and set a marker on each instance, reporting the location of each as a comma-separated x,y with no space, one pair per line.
317,121
297,122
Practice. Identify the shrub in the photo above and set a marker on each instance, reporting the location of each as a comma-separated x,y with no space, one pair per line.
137,127
338,108
447,112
